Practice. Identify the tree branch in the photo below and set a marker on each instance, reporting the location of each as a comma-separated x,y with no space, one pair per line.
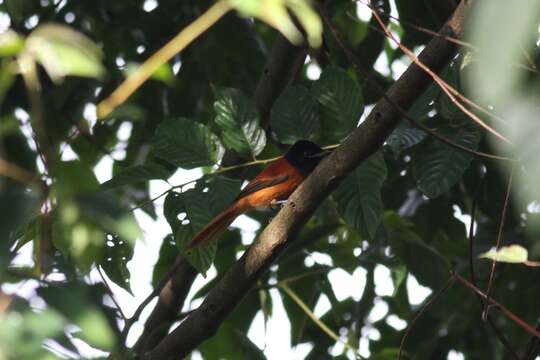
204,322
283,62
170,301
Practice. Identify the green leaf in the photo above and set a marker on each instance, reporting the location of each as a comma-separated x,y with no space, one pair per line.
186,143
163,73
515,254
167,256
11,43
404,137
295,116
438,167
63,51
276,14
250,350
190,211
22,333
238,119
17,206
427,264
115,258
82,310
359,196
341,100
137,173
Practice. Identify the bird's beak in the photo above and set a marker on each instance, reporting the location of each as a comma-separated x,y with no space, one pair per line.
322,154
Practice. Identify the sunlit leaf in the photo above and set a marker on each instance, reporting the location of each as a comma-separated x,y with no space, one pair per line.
11,43
515,254
163,73
275,13
238,119
63,51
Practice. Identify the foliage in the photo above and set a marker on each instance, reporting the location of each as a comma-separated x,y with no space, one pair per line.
70,183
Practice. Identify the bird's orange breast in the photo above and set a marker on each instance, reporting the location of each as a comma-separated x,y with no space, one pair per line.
264,198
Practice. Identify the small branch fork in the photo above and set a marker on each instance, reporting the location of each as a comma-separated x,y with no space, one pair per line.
437,296
450,91
203,323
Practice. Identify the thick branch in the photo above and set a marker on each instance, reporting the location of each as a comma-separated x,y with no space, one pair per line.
283,62
364,141
170,301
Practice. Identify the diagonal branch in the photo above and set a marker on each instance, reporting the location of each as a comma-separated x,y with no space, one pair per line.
170,301
204,322
283,62
450,91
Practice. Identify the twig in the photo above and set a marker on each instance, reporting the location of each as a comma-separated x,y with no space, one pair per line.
282,231
491,323
423,309
167,52
106,283
499,241
295,278
531,67
155,292
445,87
287,290
510,315
17,173
359,68
219,171
533,348
471,235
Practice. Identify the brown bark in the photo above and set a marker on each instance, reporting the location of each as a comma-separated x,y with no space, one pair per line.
283,62
364,141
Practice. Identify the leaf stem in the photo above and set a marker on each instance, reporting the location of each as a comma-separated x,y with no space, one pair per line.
221,170
287,290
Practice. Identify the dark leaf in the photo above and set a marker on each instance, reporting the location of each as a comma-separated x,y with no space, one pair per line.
404,137
438,167
81,310
116,255
186,143
190,211
359,196
238,119
341,102
138,173
295,116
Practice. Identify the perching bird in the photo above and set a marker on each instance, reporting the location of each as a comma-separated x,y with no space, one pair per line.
273,185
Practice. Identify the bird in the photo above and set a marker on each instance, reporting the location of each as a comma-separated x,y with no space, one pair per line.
270,187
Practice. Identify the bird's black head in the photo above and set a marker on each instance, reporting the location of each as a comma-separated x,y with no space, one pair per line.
305,155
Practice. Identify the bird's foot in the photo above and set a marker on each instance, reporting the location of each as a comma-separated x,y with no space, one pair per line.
277,204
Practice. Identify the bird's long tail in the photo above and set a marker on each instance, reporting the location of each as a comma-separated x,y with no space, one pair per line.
214,229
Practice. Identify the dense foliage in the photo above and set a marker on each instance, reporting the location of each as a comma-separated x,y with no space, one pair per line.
403,212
